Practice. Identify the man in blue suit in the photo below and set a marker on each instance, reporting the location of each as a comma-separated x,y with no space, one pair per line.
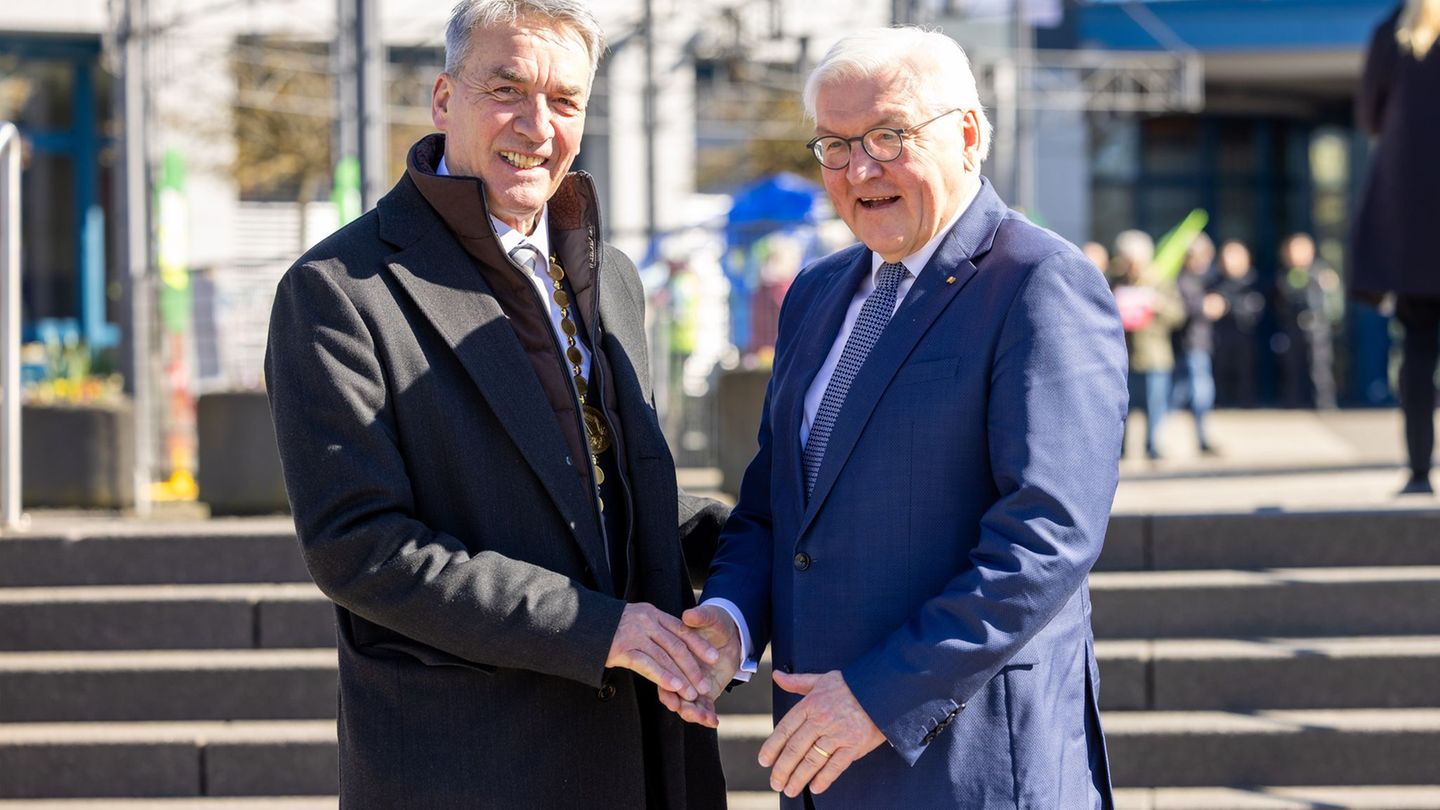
938,456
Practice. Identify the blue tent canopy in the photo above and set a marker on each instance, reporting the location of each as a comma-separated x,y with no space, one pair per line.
771,204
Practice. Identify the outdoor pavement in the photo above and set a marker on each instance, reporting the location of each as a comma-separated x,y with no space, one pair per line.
1268,460
1290,460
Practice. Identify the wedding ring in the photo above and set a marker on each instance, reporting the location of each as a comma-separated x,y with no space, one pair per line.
821,751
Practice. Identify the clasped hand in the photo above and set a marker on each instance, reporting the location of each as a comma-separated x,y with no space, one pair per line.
818,738
681,660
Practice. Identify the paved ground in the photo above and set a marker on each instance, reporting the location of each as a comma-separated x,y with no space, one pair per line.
1269,460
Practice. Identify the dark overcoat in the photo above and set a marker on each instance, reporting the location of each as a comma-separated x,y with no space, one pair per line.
436,503
1393,245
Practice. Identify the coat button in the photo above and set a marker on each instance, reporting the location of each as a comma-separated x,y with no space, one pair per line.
802,561
606,691
787,669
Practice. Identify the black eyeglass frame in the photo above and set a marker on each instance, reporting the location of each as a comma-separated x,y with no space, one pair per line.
900,133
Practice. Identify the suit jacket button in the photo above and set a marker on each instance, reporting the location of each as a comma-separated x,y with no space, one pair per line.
802,561
606,691
787,669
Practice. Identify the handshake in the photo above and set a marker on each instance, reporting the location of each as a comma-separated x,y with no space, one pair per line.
690,660
693,658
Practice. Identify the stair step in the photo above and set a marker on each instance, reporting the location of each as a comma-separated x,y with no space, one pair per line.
128,553
1275,602
238,550
1233,674
1147,749
253,758
1148,604
206,803
165,617
1206,749
1271,540
1270,673
165,685
1378,797
1168,674
1293,747
1386,797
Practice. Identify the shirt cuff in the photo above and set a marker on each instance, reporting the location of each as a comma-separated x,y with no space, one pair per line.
748,665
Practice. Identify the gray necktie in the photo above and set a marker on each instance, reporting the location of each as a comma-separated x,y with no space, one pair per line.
527,256
871,321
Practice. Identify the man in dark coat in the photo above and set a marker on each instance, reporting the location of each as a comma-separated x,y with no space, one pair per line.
461,393
1394,240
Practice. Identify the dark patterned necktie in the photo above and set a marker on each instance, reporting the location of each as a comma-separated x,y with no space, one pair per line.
871,321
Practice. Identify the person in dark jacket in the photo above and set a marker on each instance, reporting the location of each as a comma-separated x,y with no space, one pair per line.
1234,330
1195,345
1307,290
1399,104
461,393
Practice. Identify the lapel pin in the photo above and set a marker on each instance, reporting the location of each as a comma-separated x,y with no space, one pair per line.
950,280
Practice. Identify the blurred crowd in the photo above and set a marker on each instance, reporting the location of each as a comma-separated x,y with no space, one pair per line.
1196,332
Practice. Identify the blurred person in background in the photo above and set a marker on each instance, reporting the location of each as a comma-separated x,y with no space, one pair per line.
1394,234
1098,256
1150,309
1194,340
1308,288
1234,330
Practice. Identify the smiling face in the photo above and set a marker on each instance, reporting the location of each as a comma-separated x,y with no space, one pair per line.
514,114
897,206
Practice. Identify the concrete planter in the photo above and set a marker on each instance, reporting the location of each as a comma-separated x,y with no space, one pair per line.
77,456
739,396
238,458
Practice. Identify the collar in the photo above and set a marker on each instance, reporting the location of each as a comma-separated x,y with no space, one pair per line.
508,236
916,261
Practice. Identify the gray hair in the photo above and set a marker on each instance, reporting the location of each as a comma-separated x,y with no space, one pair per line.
936,68
1135,246
471,15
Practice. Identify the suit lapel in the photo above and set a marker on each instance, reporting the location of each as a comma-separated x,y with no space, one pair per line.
444,283
821,325
931,293
622,341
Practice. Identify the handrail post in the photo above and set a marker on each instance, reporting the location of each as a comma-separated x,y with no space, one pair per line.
10,393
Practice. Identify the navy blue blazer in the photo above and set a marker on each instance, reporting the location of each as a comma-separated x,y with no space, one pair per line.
941,562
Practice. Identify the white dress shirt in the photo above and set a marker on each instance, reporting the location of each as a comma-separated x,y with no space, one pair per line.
540,240
915,263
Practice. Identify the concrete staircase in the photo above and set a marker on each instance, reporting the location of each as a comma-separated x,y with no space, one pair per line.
1248,661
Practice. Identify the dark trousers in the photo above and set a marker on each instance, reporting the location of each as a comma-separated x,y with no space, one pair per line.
1421,318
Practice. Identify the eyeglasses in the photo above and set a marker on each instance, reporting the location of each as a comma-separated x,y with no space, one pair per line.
881,143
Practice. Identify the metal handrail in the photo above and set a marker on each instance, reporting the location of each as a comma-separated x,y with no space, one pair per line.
10,517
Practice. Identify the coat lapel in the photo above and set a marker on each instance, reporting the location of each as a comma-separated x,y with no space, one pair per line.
444,283
787,411
931,293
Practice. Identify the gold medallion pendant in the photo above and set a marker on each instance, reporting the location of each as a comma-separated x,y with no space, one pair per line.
596,430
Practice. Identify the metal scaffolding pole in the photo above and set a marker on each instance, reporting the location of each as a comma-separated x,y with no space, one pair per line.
135,208
651,122
10,517
360,77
